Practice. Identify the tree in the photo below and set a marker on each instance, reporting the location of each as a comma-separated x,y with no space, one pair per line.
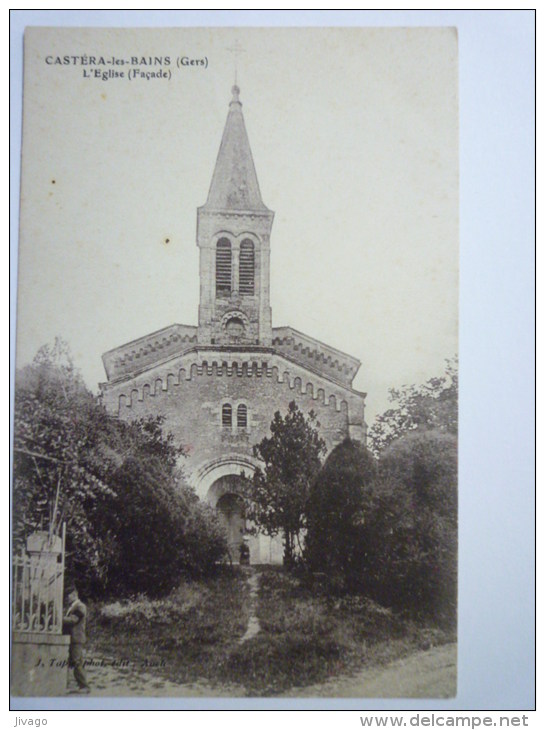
277,494
414,513
388,529
433,405
337,539
132,524
57,476
415,498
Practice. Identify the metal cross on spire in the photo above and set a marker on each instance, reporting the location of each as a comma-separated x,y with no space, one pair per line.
236,50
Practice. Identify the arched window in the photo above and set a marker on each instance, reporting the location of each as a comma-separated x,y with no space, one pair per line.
226,415
235,329
246,267
242,416
223,267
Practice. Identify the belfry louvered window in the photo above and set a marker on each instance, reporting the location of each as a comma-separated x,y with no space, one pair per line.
223,267
226,415
246,267
242,416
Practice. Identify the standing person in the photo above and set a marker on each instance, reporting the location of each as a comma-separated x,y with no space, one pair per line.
244,551
74,622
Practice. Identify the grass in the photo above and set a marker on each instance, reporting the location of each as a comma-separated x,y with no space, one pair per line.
308,638
305,638
184,636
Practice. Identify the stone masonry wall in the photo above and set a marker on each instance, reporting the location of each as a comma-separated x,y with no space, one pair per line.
192,408
192,411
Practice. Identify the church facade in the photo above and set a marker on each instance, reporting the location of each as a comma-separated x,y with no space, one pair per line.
218,384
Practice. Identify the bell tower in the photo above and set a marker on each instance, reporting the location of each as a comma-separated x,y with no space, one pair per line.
233,236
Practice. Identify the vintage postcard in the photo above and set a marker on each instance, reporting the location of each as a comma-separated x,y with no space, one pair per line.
235,449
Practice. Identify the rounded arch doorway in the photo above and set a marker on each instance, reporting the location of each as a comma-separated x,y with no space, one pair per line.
225,494
219,483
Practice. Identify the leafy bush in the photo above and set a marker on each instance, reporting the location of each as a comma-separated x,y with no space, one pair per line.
388,532
413,513
140,611
132,524
57,473
162,531
415,498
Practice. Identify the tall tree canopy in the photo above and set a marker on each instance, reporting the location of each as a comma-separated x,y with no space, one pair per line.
132,525
433,405
276,496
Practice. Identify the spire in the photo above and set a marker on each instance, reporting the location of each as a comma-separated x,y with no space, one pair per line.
234,182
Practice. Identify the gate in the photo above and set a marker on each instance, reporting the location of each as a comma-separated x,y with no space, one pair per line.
39,657
38,577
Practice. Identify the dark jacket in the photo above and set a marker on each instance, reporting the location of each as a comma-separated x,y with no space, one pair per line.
75,622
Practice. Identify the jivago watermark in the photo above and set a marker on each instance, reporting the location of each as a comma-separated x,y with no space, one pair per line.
35,722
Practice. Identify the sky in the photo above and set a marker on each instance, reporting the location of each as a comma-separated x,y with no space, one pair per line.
354,137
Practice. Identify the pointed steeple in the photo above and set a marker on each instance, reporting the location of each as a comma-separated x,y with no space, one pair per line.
234,182
233,235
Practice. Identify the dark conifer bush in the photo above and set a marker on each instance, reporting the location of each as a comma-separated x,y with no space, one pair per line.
336,542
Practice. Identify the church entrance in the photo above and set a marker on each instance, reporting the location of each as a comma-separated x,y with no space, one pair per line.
231,514
223,493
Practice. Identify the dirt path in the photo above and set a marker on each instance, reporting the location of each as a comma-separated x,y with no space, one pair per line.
108,679
429,673
253,622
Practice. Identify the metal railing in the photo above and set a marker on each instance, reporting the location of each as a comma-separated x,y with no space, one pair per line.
38,580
